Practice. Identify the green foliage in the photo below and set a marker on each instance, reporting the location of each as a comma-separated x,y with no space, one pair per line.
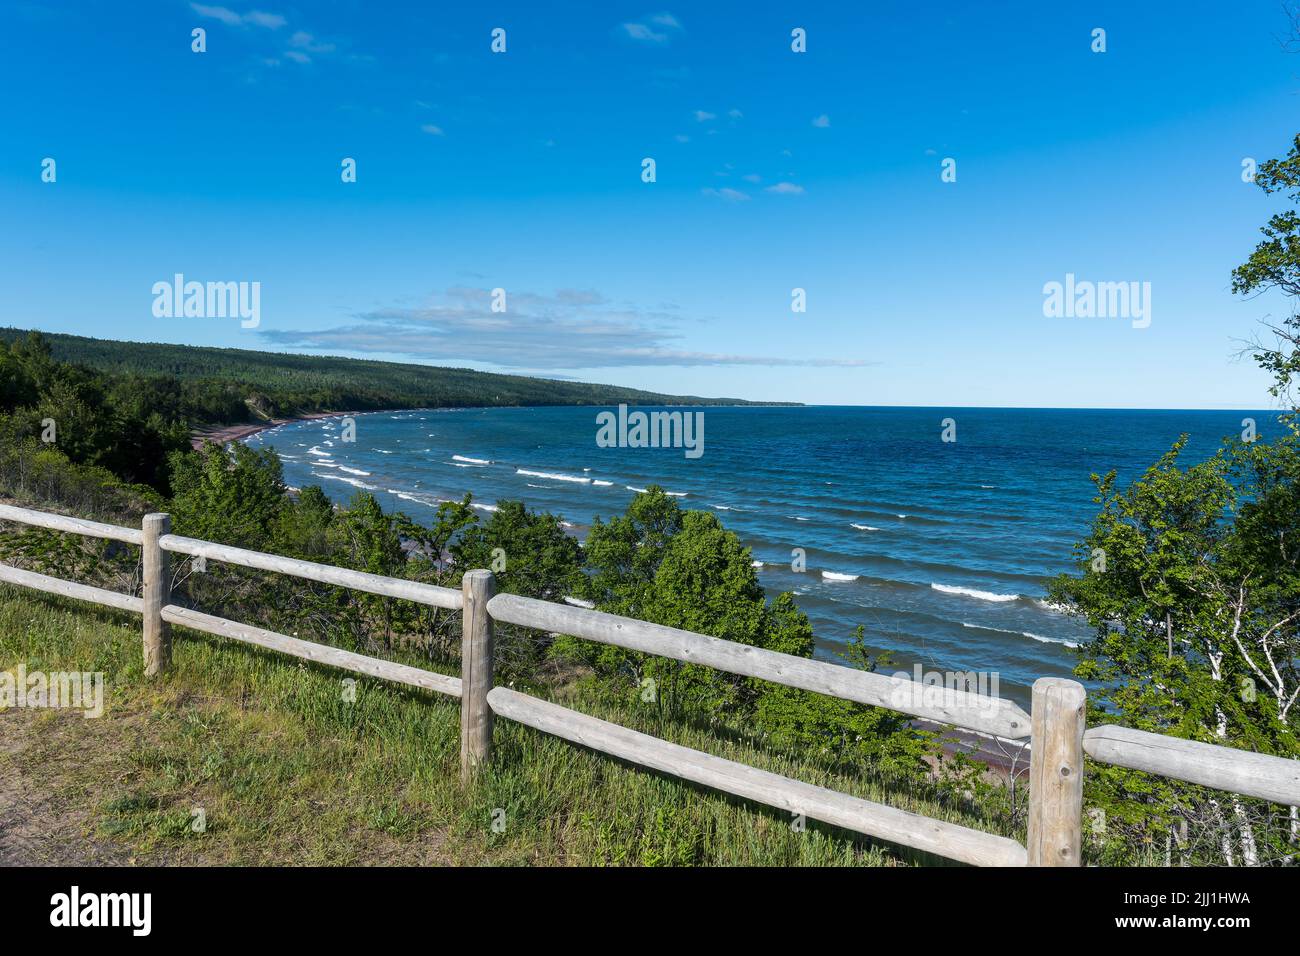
1275,265
233,497
529,552
683,569
97,421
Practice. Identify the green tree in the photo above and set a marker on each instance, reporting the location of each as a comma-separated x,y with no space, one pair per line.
1275,266
232,497
1190,581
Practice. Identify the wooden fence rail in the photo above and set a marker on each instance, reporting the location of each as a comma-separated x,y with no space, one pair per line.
1055,725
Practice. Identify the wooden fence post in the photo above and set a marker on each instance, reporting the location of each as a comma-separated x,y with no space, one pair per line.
157,594
476,657
1056,773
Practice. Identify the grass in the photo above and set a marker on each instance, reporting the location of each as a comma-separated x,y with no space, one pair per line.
285,770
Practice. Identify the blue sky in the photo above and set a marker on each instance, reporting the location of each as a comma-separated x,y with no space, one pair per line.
775,170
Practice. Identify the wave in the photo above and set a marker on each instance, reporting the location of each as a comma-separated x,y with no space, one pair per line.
553,476
1053,606
418,499
315,450
601,483
865,527
836,576
974,593
351,481
354,471
485,507
1037,637
471,461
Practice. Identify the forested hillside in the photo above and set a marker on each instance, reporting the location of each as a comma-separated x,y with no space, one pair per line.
219,383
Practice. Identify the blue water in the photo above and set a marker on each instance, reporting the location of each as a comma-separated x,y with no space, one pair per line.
939,549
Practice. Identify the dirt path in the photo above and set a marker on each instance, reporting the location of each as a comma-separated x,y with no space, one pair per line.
42,821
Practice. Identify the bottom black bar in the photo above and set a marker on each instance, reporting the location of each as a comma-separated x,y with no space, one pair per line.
216,906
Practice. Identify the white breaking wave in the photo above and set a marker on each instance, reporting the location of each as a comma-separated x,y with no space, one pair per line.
486,507
418,499
553,476
865,527
756,564
836,576
1029,634
642,491
1052,606
354,471
603,484
351,481
974,593
315,450
471,461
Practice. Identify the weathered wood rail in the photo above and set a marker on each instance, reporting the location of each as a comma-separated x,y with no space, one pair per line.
1056,726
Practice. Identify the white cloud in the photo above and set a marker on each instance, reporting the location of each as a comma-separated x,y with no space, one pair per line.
305,41
654,28
735,114
297,56
821,122
642,33
272,21
257,18
228,17
730,195
752,178
570,329
703,116
786,189
432,130
682,138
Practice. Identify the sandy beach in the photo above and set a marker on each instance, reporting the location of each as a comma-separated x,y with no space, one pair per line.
227,433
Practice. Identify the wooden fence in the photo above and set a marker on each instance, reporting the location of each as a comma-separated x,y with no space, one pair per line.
1055,730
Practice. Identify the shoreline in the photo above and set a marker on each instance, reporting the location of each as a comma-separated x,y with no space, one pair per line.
223,434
